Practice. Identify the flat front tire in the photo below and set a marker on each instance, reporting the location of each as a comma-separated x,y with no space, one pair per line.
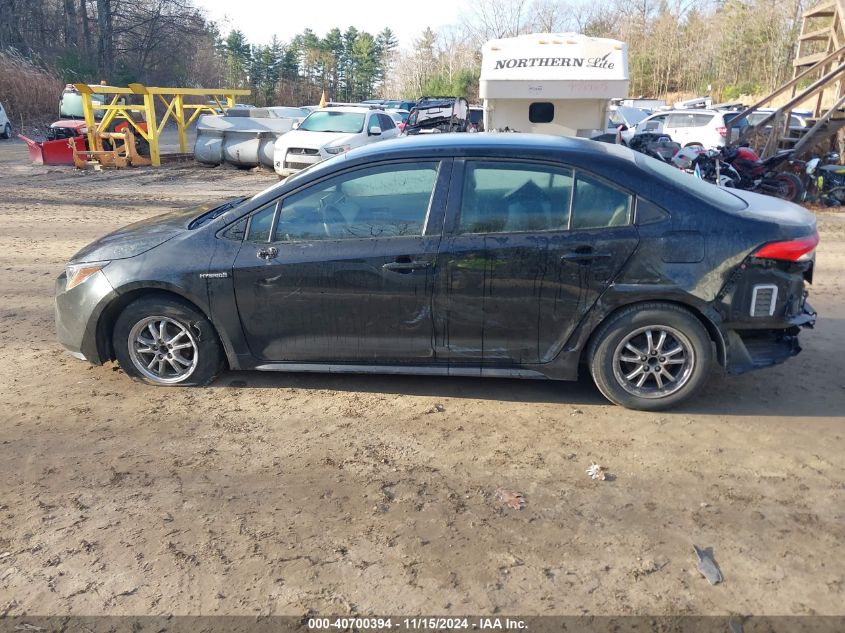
166,342
650,356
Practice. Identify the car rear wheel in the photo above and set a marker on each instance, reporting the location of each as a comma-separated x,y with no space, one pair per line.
7,131
651,356
166,342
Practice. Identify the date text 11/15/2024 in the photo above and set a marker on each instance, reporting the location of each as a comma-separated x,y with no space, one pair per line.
416,624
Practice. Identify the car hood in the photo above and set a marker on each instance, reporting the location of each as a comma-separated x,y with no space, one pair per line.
315,140
139,237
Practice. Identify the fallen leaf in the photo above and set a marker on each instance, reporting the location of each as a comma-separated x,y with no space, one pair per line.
511,498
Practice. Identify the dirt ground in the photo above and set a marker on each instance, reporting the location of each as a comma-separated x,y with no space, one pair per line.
279,494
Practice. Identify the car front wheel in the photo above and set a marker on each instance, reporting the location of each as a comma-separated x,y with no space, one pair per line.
651,357
7,131
166,342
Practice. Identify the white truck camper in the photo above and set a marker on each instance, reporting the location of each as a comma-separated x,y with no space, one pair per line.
551,83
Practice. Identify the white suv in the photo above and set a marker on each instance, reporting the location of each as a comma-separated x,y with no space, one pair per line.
707,128
327,132
5,125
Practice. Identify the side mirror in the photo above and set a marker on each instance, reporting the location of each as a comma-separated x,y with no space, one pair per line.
295,125
375,131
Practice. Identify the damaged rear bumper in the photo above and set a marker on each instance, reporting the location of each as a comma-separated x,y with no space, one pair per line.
758,348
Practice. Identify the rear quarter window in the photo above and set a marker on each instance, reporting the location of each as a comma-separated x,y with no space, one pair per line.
704,191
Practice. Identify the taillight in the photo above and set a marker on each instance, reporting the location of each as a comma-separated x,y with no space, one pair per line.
790,251
723,131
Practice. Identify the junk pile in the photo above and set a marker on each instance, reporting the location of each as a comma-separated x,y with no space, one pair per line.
244,137
438,114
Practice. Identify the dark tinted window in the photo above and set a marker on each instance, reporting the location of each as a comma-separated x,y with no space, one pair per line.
260,224
386,122
541,112
596,204
512,197
383,201
701,189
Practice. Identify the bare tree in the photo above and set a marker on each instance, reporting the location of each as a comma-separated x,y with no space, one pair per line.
105,41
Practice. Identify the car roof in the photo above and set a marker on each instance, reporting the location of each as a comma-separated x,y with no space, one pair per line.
359,109
534,145
690,111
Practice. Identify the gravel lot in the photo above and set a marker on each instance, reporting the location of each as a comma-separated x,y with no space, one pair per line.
279,494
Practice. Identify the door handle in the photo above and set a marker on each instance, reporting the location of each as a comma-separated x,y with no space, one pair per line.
406,267
582,256
269,252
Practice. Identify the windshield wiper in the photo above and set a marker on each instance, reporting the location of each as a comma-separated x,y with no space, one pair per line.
216,212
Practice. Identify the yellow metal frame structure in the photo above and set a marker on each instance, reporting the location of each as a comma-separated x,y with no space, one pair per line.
173,100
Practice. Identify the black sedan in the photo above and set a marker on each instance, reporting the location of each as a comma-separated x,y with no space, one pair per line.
463,255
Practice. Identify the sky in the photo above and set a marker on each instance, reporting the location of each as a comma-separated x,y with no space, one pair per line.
261,19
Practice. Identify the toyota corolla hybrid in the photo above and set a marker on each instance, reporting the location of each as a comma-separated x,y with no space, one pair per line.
464,255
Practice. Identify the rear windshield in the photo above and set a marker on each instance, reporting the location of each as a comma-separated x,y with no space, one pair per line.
709,193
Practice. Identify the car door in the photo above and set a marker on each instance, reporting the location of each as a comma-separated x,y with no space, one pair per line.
373,124
342,269
525,255
388,126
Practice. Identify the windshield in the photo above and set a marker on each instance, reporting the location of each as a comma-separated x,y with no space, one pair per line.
328,121
705,191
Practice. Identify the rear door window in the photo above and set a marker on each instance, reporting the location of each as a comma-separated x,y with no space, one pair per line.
597,204
700,120
680,120
503,197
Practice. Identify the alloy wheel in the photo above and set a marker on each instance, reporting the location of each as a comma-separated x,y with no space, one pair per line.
163,350
654,361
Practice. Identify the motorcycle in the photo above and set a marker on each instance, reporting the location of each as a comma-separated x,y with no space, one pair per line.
827,180
763,176
707,165
741,168
659,146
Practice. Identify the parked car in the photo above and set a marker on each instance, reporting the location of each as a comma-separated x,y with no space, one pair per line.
505,255
400,104
5,124
797,119
626,116
438,114
327,132
399,117
707,128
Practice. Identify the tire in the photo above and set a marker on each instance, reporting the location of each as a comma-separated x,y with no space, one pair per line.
790,185
7,131
617,378
188,355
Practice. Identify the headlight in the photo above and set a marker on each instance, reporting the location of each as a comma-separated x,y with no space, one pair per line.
337,149
78,273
